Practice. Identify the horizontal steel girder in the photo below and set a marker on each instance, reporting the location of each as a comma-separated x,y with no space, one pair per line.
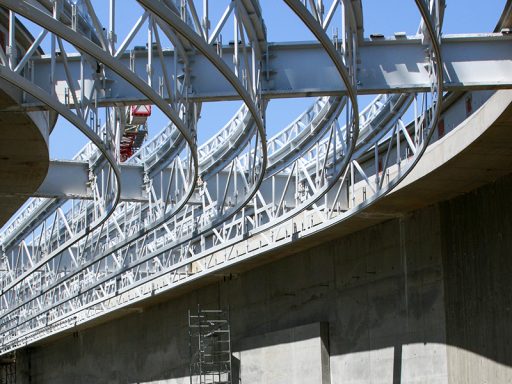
304,69
70,180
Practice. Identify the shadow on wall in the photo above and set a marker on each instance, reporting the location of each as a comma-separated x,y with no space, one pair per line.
424,296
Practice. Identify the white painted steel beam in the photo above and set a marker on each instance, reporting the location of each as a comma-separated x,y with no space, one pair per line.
70,179
56,278
304,69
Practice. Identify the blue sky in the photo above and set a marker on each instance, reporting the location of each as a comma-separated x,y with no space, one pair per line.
386,17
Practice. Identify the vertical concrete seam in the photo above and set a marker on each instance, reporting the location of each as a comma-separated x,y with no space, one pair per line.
403,258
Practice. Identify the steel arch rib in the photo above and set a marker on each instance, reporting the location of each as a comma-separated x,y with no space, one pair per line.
74,38
317,30
320,33
352,125
92,49
436,45
439,67
22,83
436,107
183,29
352,137
236,83
334,55
322,37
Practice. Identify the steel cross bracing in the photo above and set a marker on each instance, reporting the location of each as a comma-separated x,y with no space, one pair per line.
234,80
84,227
317,174
160,162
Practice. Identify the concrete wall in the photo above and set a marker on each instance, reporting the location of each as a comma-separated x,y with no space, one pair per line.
425,298
477,254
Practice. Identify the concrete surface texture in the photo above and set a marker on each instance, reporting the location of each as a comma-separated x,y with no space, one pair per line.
294,355
477,243
424,298
24,156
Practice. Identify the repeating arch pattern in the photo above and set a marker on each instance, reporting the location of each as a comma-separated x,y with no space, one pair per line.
208,206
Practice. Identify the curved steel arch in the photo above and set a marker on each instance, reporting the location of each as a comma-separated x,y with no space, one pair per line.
183,29
85,45
434,36
73,37
154,225
92,49
317,29
22,83
431,124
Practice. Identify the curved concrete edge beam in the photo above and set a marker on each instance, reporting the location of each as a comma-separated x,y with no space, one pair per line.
455,142
24,155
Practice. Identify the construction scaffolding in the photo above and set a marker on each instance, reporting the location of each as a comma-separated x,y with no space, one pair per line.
210,346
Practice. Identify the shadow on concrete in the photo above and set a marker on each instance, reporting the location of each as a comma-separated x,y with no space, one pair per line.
439,276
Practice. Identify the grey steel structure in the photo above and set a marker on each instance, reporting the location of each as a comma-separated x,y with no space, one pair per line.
120,232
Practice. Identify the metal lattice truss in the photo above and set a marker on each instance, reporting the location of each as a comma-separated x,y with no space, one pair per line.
117,233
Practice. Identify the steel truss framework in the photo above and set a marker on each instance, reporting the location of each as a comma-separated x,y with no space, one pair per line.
174,212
